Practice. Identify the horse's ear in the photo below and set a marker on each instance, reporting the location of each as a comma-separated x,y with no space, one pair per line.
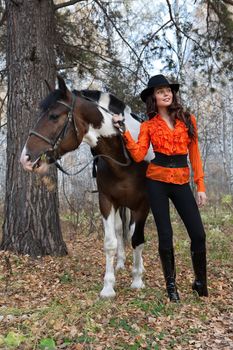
48,85
61,84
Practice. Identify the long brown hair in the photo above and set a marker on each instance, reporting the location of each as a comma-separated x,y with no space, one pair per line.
175,110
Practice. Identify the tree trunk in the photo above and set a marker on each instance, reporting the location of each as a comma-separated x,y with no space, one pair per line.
31,224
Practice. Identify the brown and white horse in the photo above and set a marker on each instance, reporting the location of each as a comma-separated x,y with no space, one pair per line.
65,122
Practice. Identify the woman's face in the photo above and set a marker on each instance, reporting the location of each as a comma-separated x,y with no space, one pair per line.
163,96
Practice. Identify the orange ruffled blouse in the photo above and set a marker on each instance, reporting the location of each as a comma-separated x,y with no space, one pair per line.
170,142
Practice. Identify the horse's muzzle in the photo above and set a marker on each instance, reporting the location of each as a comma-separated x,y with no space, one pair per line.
40,164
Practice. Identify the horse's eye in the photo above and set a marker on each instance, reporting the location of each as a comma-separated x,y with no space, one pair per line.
53,116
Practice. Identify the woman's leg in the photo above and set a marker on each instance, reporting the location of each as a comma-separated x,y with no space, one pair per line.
186,205
159,203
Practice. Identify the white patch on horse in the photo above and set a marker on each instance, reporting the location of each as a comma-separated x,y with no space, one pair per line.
28,165
24,157
138,268
110,246
131,231
134,127
131,124
120,242
107,129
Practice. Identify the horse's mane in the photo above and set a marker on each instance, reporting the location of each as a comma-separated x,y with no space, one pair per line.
115,104
51,99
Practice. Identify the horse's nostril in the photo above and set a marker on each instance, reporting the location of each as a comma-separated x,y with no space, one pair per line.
28,157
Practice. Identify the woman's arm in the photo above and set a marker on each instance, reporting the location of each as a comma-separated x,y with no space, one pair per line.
196,162
195,159
138,149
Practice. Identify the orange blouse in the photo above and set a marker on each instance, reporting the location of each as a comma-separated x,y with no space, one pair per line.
169,142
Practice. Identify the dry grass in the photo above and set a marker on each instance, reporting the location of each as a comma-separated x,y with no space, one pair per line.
53,303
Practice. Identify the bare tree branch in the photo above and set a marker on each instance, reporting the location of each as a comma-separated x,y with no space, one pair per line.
1,126
179,29
222,19
2,20
67,3
216,9
208,32
104,58
3,72
230,2
2,100
119,33
145,46
153,35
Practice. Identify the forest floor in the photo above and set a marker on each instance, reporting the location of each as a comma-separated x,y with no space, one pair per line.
53,302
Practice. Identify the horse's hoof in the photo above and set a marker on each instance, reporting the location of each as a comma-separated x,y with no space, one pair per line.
107,292
137,285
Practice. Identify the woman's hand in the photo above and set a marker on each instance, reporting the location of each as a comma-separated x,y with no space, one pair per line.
118,122
201,199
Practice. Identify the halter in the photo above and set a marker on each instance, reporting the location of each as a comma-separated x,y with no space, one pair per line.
63,131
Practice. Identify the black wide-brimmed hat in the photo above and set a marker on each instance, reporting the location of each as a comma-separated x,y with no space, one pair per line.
155,82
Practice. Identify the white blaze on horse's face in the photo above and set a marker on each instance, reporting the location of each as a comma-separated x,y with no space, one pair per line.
28,165
107,129
24,160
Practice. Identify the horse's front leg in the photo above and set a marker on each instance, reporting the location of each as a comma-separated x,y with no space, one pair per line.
138,245
122,228
110,247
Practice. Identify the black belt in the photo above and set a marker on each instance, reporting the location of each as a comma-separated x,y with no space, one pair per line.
176,161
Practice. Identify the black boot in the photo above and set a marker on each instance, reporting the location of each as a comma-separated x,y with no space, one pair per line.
168,265
199,267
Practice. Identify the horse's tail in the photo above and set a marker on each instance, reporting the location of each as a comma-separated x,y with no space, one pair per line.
126,218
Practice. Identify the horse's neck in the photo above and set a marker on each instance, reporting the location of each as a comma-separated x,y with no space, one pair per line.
101,126
112,147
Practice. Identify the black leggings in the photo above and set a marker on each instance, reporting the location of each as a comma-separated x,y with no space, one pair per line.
185,204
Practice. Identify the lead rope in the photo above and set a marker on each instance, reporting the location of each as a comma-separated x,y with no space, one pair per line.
96,157
86,165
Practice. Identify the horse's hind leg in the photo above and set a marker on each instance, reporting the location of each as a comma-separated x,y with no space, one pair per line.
122,226
110,245
138,245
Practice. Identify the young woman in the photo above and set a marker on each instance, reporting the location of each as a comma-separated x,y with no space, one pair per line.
173,135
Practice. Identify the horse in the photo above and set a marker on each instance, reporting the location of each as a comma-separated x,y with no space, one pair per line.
66,120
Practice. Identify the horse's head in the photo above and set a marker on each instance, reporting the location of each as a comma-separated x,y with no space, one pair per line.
55,133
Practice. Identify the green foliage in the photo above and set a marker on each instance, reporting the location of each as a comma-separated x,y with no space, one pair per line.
218,245
12,339
65,278
227,199
122,323
47,344
85,338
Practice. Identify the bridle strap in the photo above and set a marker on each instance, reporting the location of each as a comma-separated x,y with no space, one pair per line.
62,133
66,105
32,132
70,114
128,162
